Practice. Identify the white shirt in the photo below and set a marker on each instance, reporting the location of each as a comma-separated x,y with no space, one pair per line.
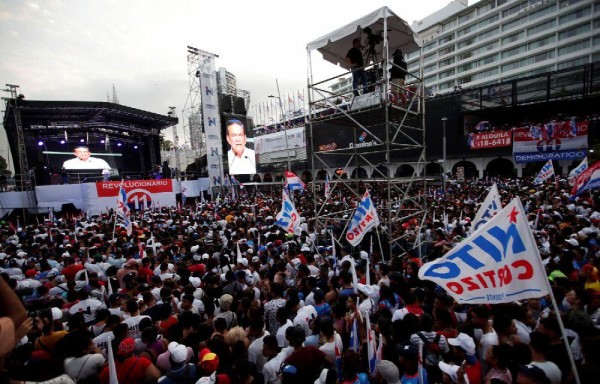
84,366
244,165
553,373
88,307
90,163
281,340
329,348
255,352
273,366
101,342
133,323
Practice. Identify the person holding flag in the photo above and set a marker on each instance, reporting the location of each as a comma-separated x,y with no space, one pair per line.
123,210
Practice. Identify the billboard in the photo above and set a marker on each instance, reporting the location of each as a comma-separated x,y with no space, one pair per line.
241,160
490,139
277,141
555,140
210,115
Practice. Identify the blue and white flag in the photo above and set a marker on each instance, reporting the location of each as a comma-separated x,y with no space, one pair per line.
587,180
354,336
288,218
546,172
293,182
123,210
371,347
499,263
364,219
327,187
578,170
490,207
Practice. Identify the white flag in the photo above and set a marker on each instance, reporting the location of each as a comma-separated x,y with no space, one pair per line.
499,263
112,369
578,170
546,172
288,218
490,207
364,219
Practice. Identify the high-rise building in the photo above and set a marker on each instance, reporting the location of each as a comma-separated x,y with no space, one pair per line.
498,40
226,83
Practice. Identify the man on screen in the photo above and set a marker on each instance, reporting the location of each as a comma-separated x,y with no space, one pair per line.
240,158
84,160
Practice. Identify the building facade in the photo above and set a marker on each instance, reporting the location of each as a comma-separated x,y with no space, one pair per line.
499,40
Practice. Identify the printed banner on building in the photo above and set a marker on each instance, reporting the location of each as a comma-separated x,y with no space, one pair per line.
499,263
490,139
210,115
276,141
557,140
141,194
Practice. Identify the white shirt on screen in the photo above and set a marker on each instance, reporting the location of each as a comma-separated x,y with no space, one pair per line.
244,165
90,163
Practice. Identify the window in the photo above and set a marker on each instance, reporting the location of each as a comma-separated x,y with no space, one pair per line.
573,63
446,50
464,80
574,31
465,43
466,17
486,48
443,75
429,57
486,34
464,55
486,8
488,73
446,39
449,25
446,62
501,2
542,12
514,23
541,27
578,14
488,21
513,10
578,46
464,31
514,51
541,42
430,46
446,85
487,60
429,68
430,79
514,37
464,67
596,41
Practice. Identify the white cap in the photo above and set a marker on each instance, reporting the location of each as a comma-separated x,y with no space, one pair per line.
56,314
364,255
178,352
194,248
195,281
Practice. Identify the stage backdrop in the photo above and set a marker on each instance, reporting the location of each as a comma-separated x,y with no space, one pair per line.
93,198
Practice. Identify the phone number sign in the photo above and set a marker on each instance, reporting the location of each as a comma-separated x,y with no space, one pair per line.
491,139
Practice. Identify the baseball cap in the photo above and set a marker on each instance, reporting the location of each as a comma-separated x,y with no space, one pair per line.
178,352
451,370
463,341
389,372
573,242
408,351
534,372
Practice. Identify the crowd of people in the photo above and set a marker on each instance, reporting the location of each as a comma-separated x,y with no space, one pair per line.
215,293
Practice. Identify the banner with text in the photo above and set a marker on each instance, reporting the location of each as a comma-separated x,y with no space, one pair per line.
587,180
499,263
288,218
210,115
141,194
560,140
490,139
276,141
364,219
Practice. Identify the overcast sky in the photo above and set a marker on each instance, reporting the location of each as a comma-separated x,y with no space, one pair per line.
77,49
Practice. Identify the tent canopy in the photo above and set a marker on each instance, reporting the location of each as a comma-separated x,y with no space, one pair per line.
335,45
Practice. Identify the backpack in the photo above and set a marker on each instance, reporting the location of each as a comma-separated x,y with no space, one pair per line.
432,353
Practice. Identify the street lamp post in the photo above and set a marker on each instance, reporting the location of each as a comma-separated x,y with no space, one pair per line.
444,119
287,152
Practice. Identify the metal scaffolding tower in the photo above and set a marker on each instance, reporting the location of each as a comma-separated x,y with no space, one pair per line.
27,182
192,110
370,130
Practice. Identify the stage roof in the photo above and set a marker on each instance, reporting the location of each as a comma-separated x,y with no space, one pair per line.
90,116
335,45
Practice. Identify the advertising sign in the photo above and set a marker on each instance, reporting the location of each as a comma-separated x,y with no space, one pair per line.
490,139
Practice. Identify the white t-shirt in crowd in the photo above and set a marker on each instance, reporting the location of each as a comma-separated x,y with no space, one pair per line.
133,323
85,366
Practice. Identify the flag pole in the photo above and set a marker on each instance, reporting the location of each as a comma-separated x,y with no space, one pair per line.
115,214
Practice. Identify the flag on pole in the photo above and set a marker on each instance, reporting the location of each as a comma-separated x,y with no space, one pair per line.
333,253
123,210
379,354
499,263
354,336
490,207
327,187
239,252
288,218
338,362
363,220
371,348
587,180
546,172
578,170
112,369
293,182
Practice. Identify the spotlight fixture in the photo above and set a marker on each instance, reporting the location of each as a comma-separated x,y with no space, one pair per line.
82,140
135,147
119,144
102,141
40,143
62,141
